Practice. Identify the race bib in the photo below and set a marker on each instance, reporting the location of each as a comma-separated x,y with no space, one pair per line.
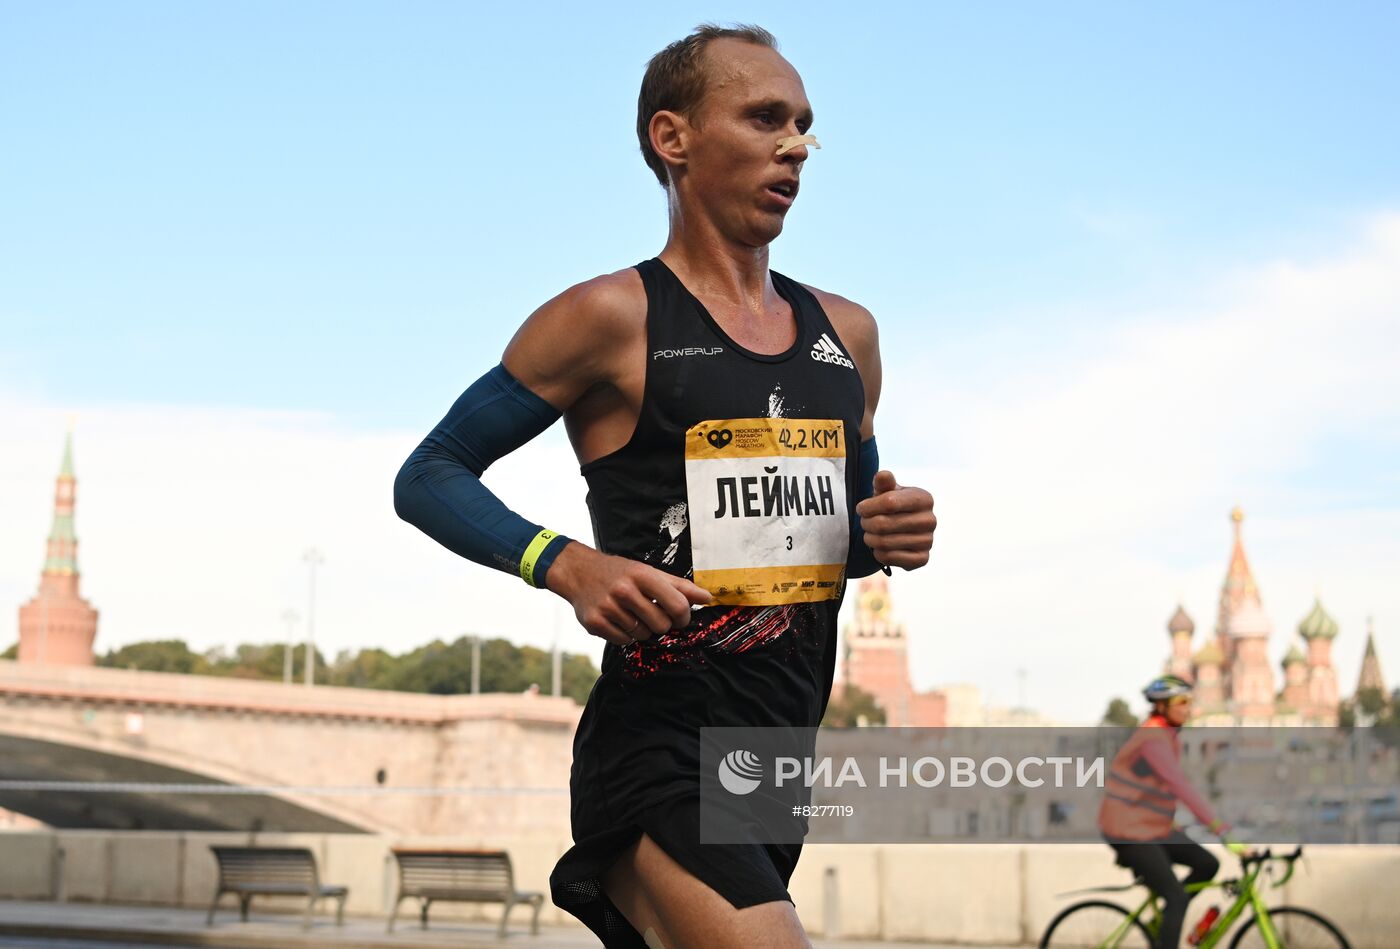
767,505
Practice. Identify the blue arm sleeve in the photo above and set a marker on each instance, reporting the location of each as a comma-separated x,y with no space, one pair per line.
439,489
861,561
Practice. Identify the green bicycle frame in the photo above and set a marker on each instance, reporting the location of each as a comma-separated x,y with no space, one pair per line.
1247,896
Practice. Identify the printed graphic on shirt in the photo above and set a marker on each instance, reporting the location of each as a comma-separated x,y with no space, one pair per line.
767,505
731,630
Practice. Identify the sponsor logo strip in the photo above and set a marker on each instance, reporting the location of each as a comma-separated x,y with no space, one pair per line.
773,586
766,438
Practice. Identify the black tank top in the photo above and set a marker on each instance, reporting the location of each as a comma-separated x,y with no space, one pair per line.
738,475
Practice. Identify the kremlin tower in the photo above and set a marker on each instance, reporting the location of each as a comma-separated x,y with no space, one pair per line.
876,660
58,626
877,652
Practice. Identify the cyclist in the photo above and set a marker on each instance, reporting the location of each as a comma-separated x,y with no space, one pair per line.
1144,784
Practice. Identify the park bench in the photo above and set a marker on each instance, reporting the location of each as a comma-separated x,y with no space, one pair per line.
471,876
272,871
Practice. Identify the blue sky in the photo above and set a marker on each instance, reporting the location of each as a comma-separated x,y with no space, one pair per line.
343,199
342,210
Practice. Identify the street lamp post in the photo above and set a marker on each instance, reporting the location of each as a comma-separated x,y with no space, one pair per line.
290,617
313,559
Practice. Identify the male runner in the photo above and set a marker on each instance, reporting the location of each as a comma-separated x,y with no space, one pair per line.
1137,816
723,417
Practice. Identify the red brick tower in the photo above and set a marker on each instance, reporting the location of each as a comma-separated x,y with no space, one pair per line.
58,626
876,654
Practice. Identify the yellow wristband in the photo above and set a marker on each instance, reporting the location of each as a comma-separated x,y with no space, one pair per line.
532,555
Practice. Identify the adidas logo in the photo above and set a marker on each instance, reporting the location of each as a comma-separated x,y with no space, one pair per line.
824,350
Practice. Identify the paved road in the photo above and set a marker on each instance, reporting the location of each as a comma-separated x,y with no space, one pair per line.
46,925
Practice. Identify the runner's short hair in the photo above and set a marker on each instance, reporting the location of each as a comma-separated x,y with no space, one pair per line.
675,80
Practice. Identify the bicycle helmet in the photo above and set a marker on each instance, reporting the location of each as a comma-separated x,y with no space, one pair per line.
1165,687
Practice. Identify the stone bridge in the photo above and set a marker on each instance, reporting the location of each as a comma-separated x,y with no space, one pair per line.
279,757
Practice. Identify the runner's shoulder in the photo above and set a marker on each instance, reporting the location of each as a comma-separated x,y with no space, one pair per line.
852,322
609,306
583,323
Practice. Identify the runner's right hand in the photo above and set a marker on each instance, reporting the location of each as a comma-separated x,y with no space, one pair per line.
622,600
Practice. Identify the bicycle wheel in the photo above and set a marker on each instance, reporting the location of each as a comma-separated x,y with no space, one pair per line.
1089,925
1296,928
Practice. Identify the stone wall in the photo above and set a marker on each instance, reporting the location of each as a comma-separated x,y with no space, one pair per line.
965,894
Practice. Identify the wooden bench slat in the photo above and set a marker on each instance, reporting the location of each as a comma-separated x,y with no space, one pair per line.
474,876
272,871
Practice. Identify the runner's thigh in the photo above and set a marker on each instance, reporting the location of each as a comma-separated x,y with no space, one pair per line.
655,892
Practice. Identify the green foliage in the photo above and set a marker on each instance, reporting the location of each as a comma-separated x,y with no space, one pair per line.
263,662
577,675
11,653
437,668
1372,702
1388,718
853,705
1119,713
1371,707
446,668
1346,715
161,655
366,669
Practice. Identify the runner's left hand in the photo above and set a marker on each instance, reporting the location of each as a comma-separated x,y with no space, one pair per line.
898,522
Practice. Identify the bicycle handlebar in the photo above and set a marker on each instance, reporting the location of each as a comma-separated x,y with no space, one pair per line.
1267,854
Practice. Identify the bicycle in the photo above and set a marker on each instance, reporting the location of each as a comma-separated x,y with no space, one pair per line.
1102,924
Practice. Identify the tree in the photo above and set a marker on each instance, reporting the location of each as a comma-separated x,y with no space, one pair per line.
849,708
438,668
1118,713
267,662
577,676
1346,715
160,655
366,669
11,653
445,669
1371,702
1388,720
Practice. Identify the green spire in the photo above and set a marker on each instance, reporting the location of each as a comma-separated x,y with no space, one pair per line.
63,539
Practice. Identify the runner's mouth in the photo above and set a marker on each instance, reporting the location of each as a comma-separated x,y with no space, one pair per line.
785,192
